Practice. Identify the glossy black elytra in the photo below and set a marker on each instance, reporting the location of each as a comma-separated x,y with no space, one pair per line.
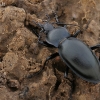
76,54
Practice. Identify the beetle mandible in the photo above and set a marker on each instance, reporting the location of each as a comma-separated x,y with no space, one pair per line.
76,54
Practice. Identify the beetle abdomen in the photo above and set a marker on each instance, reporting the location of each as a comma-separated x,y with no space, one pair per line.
80,59
56,35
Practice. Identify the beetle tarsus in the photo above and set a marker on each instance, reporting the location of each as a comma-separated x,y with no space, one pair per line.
66,72
77,33
23,94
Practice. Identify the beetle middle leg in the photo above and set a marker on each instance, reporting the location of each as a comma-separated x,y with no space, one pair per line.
81,31
47,59
95,47
53,56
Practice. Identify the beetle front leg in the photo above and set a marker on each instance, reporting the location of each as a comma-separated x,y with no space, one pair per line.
30,27
44,43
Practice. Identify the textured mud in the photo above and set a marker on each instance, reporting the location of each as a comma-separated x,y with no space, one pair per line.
21,55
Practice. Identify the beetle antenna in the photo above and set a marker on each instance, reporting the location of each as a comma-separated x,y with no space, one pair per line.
58,23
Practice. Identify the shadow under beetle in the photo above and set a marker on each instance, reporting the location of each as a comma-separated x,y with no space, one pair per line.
76,54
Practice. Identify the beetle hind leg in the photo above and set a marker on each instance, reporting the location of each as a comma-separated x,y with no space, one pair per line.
66,72
95,47
47,59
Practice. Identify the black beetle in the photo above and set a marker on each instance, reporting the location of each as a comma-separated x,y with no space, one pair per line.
54,35
76,54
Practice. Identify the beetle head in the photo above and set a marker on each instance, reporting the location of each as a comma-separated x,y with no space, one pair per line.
48,27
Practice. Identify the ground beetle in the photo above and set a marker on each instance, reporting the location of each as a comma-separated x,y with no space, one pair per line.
76,54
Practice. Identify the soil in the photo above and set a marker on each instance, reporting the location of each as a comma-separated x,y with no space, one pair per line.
22,56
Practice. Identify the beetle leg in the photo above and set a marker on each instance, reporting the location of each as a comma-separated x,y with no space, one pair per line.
48,18
47,59
77,33
80,31
56,17
57,20
23,94
31,28
95,47
51,57
64,25
66,72
45,43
